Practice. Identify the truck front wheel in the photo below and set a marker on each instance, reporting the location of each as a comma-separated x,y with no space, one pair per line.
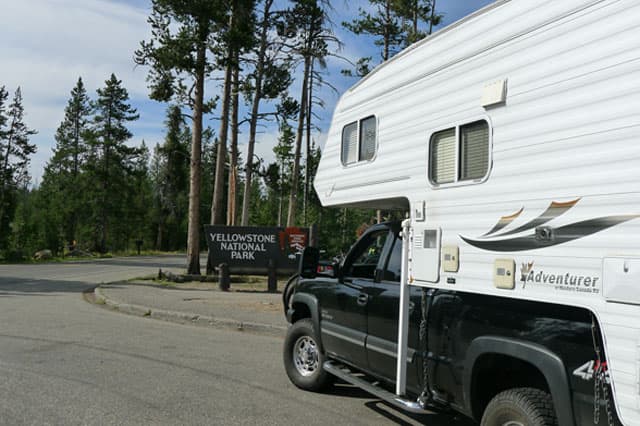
520,407
303,358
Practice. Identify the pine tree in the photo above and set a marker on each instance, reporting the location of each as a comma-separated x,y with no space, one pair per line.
413,12
137,224
171,181
182,33
385,24
279,176
393,24
269,79
110,160
15,155
4,96
312,43
62,173
236,37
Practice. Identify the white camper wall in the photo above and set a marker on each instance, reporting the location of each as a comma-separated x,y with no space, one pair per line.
569,130
544,49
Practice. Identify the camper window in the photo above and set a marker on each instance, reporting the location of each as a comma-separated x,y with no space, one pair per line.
350,143
443,157
359,142
367,139
459,154
474,150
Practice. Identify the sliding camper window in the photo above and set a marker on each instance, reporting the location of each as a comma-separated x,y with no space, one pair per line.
359,141
459,154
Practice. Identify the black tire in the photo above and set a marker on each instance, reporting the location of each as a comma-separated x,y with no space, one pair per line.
520,406
303,358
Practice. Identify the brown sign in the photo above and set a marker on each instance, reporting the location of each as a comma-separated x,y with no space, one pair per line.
249,249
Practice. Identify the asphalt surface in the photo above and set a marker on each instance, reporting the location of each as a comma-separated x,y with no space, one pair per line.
201,304
64,361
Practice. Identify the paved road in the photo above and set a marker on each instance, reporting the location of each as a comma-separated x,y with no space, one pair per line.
64,361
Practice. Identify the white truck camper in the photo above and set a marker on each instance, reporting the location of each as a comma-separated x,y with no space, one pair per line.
513,139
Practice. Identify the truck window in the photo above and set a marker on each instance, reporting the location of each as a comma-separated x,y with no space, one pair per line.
394,264
364,260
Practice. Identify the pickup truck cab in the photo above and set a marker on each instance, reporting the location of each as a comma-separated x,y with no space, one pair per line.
496,360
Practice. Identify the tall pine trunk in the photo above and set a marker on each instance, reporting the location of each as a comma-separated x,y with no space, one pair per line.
193,231
105,190
5,177
433,14
232,196
76,169
160,236
307,177
293,196
217,209
387,35
255,109
385,57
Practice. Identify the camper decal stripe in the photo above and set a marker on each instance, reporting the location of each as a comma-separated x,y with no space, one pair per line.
561,235
503,222
554,210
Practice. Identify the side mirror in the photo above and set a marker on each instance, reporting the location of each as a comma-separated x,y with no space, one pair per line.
309,262
328,269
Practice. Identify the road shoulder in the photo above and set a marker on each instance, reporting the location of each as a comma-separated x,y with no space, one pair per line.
247,311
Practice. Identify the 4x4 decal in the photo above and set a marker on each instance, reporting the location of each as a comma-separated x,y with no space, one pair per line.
494,240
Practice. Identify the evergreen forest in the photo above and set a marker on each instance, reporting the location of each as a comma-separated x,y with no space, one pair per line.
100,193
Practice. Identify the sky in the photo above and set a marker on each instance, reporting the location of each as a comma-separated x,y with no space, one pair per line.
45,45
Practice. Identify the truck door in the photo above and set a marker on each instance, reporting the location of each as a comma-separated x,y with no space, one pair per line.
382,324
344,309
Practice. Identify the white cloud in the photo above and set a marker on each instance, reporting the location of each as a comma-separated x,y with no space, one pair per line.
54,42
47,44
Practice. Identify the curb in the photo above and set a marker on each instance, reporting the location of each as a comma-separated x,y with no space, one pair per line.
187,318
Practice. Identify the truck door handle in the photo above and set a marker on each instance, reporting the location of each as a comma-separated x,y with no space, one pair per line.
362,299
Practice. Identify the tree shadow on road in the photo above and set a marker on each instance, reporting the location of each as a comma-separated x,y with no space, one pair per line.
141,262
13,286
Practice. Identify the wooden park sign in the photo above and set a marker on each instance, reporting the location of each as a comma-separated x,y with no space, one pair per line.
255,250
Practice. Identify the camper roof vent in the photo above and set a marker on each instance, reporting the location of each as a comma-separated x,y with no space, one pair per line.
494,93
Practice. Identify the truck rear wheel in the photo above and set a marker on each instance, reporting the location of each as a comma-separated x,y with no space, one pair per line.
303,358
520,407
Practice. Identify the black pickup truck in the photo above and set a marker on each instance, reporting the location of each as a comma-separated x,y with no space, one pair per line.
499,361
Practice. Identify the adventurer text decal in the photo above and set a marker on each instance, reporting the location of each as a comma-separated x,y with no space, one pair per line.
561,281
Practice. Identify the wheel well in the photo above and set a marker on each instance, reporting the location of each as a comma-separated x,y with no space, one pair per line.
494,373
300,311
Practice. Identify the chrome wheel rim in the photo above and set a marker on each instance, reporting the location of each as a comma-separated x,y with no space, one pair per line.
305,356
512,423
